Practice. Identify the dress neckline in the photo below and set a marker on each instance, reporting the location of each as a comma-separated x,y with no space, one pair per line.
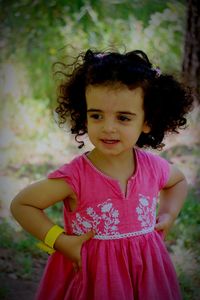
135,153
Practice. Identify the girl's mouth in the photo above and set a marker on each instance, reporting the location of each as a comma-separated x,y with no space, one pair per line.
110,142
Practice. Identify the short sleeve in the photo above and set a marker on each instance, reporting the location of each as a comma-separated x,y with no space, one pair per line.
69,173
163,170
156,168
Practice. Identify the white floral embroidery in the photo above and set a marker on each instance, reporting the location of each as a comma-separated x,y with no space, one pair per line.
106,207
107,220
104,219
146,214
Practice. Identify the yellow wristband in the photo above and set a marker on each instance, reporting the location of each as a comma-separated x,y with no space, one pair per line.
42,246
52,235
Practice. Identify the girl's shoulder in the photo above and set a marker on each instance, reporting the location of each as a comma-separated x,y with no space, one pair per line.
151,165
149,158
69,168
72,172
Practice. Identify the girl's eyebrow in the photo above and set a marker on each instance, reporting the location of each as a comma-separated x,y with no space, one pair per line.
126,113
118,112
94,110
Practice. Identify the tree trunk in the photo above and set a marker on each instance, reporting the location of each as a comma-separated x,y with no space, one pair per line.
191,62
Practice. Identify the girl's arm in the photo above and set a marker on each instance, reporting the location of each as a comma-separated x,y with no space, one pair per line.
27,208
172,198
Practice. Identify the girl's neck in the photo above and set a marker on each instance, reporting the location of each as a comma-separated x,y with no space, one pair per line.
121,168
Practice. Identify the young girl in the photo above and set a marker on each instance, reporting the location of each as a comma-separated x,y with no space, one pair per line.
112,245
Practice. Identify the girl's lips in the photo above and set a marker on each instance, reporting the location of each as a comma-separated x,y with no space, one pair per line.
109,141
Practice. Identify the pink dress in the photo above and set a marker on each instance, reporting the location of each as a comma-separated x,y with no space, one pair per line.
127,259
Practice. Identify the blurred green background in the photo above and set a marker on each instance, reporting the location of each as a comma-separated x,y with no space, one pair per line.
35,35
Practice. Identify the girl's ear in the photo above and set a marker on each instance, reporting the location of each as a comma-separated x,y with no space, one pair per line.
146,128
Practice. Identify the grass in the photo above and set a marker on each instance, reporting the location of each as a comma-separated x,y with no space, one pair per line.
187,225
183,241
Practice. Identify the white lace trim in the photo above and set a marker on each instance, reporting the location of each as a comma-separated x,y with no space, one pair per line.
124,235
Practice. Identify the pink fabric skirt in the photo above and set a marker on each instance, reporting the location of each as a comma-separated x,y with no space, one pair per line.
135,268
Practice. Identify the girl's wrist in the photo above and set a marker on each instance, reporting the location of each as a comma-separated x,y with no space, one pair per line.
61,241
52,235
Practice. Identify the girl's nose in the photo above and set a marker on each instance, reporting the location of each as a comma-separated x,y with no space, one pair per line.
109,126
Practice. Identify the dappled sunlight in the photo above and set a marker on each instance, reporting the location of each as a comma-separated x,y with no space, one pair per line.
13,82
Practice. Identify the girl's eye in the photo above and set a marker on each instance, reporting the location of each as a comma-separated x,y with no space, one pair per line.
123,118
96,116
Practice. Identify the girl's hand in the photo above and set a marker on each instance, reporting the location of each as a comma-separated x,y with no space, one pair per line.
164,223
71,245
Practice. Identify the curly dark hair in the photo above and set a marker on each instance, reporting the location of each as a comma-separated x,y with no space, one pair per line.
166,100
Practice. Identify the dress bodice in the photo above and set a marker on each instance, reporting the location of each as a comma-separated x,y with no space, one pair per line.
103,207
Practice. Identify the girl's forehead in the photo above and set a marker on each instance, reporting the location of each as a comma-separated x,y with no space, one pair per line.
116,90
114,97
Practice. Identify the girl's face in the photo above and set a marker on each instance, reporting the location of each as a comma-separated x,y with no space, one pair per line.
115,118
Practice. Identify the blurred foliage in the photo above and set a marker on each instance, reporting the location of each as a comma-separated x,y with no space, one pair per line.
187,226
189,286
38,33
